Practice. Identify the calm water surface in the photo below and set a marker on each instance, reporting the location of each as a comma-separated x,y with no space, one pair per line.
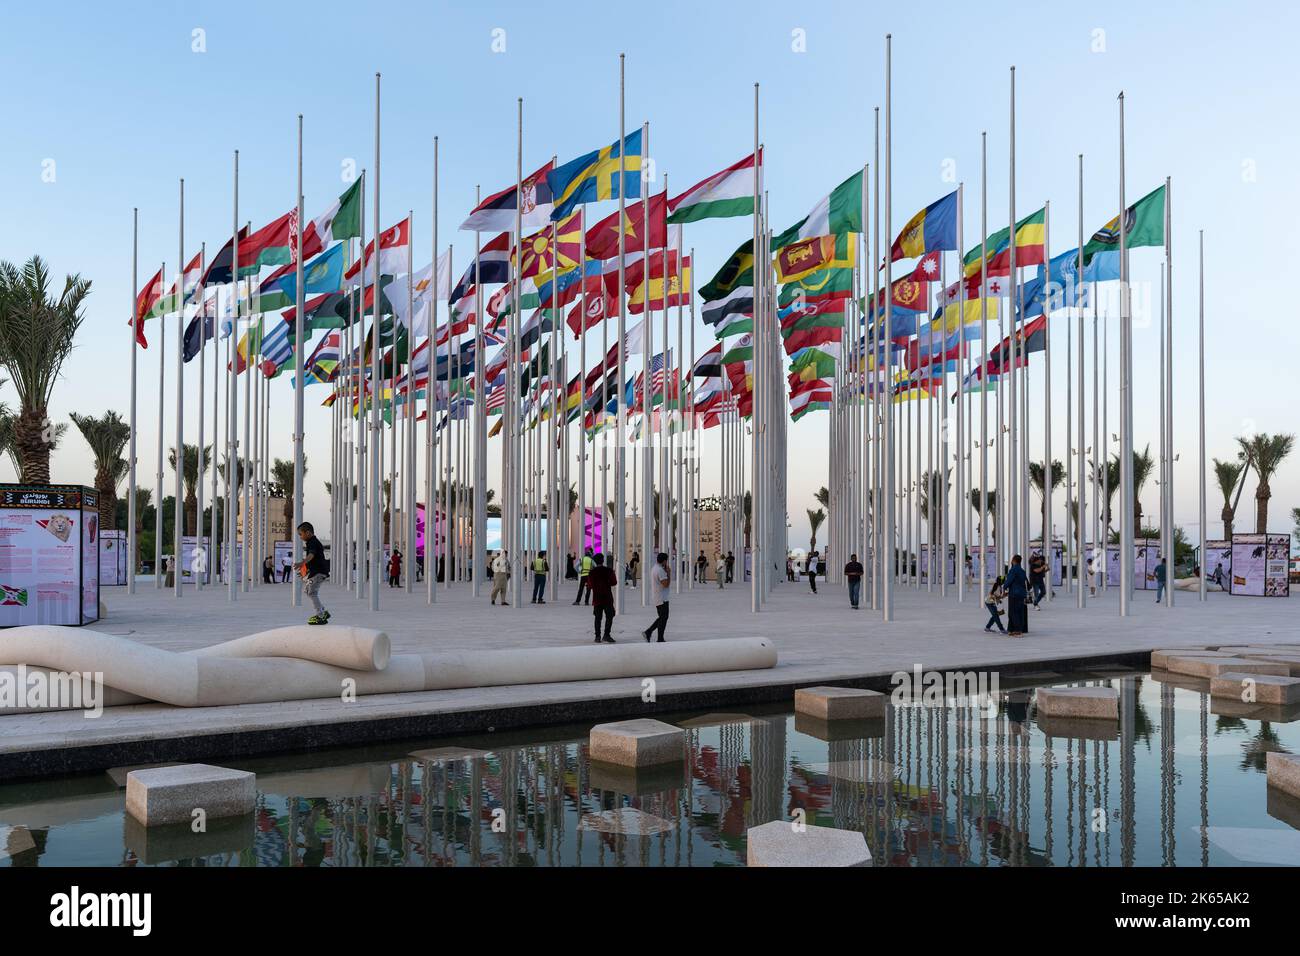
1178,781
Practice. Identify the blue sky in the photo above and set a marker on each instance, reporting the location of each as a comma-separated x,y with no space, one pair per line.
118,99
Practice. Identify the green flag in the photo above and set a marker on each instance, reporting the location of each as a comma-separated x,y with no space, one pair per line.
737,271
838,213
1144,224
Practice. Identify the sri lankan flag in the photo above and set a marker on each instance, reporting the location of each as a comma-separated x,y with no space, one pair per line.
600,174
806,256
1031,232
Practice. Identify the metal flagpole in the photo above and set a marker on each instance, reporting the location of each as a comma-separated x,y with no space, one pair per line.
1047,399
1200,358
158,505
479,559
1080,521
582,405
133,545
887,406
1125,394
758,414
647,451
376,435
620,501
1098,457
409,425
1167,519
963,424
200,295
1015,479
514,434
233,469
214,554
877,524
984,368
299,341
430,506
178,506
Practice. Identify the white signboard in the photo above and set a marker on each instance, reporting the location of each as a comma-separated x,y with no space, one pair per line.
49,555
112,558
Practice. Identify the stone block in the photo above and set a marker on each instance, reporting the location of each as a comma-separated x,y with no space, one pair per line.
779,844
1268,688
1284,772
839,703
1289,658
1092,703
171,794
1160,658
642,742
637,781
830,730
1214,666
119,774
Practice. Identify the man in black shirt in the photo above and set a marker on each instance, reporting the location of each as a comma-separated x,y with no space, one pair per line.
315,569
601,581
853,574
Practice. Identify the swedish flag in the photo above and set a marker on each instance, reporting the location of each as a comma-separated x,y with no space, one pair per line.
596,175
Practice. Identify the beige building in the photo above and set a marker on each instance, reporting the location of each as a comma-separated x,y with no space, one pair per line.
277,527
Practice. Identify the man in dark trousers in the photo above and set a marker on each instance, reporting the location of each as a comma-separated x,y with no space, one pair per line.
731,566
811,571
1017,588
601,580
660,579
584,570
853,574
315,569
1038,577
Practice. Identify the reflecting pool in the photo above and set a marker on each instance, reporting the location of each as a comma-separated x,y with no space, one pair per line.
1178,780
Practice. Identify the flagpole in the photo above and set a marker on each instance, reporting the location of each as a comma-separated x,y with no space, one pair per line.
582,404
984,369
409,426
214,554
1200,456
233,471
158,507
1125,394
877,524
1048,476
361,555
430,408
1167,519
247,485
299,341
201,295
758,414
887,406
1080,521
376,491
178,506
620,500
479,559
133,545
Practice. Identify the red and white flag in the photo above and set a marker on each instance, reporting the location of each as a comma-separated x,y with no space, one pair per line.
393,243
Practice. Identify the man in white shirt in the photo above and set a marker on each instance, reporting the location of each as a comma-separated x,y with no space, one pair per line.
500,575
660,579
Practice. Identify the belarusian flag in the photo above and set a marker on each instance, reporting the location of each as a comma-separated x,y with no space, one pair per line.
722,195
1144,226
838,213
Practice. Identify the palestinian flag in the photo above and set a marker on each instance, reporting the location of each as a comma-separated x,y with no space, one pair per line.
721,196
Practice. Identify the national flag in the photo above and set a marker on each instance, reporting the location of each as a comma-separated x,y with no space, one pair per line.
734,324
320,275
907,294
144,303
678,287
219,270
555,293
497,212
201,328
741,350
602,238
709,365
273,245
493,266
739,301
1031,232
341,221
323,362
836,214
720,196
736,272
933,229
815,395
968,313
170,303
599,307
543,256
393,243
803,256
816,287
1030,337
600,174
814,362
1144,225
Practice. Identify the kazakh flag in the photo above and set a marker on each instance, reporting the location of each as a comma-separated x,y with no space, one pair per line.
597,175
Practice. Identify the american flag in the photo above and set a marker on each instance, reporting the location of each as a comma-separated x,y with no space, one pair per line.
657,371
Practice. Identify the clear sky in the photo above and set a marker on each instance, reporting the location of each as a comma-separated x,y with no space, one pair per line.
110,104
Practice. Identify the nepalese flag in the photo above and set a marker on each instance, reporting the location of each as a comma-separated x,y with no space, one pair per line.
602,238
393,246
543,254
933,229
601,174
497,212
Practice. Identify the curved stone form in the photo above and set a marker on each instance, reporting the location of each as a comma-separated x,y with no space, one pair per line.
356,648
214,678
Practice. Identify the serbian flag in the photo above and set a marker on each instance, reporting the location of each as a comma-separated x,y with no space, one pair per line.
393,244
497,212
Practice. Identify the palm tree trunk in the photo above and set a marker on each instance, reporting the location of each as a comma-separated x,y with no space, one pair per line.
1226,515
1262,494
107,498
32,447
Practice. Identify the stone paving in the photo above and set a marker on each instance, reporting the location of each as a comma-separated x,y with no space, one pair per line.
819,639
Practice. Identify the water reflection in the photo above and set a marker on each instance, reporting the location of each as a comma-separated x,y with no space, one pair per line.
950,785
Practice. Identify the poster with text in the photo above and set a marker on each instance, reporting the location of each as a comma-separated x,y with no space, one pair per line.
1217,563
112,558
1249,564
282,561
40,566
89,562
196,558
1277,553
1146,555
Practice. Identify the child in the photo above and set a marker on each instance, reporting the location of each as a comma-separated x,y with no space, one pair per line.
991,602
315,571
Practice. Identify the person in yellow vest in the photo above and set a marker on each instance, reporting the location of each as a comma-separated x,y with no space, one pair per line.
541,567
584,586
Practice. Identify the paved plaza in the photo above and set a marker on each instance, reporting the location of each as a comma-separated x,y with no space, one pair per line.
819,640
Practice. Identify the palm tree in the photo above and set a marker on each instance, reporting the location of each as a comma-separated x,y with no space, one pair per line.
1142,465
143,496
815,519
190,475
8,445
1295,516
992,503
1230,475
1265,453
282,480
931,488
1107,476
1036,478
36,335
106,437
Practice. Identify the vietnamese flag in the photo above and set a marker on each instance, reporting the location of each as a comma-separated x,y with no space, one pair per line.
602,238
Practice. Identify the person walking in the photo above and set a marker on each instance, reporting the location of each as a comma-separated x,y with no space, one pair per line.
701,565
541,568
394,568
1092,576
660,578
1017,586
993,601
583,571
634,569
810,569
853,574
268,570
602,582
1037,577
720,569
315,571
500,575
1161,572
731,566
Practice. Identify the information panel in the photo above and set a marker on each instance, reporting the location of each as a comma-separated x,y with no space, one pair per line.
49,555
283,559
195,559
925,564
1146,555
1216,563
1259,565
112,558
